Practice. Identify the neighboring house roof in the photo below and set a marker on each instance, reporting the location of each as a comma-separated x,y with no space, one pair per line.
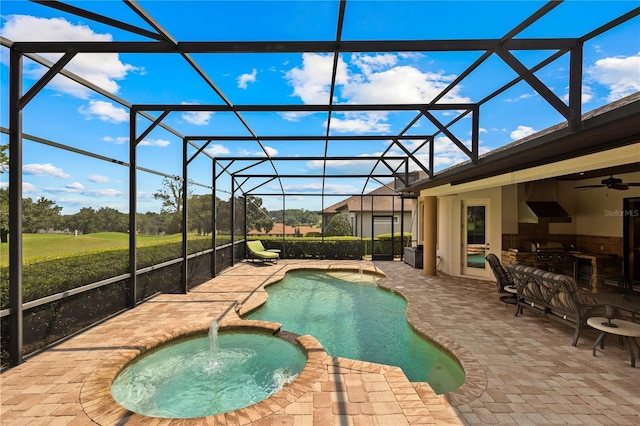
306,229
382,203
282,229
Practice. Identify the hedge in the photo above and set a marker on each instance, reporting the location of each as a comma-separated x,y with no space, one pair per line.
43,277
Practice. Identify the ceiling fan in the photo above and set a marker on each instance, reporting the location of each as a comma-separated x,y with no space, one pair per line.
611,183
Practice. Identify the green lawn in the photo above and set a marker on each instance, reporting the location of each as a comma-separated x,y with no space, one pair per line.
47,245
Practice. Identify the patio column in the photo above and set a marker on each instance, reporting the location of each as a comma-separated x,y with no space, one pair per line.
430,236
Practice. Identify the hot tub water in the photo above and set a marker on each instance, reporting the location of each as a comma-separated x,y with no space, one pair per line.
208,375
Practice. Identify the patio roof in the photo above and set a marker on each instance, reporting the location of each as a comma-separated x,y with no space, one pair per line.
367,140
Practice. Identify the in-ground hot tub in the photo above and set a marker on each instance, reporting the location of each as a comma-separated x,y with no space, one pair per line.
244,342
210,374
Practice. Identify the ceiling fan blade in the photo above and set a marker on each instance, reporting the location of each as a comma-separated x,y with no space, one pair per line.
590,186
619,186
633,184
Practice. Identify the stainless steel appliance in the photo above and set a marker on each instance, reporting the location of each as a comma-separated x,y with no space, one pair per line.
549,255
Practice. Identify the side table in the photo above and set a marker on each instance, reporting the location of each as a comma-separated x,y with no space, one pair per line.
627,329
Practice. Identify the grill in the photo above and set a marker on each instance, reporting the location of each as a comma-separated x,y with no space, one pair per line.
550,255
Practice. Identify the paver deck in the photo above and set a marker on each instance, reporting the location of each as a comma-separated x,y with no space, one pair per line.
520,371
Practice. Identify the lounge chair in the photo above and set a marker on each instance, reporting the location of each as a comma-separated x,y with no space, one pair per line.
257,251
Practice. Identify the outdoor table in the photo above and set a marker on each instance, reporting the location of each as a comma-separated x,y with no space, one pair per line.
627,329
626,302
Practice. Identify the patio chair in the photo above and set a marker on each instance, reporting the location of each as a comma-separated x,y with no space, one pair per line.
257,251
506,286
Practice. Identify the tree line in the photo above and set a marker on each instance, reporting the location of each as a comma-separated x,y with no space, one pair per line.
44,215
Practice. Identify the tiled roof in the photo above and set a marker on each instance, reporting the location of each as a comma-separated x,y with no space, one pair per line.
282,229
383,202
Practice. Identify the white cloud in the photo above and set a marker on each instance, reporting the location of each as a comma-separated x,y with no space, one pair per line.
63,190
217,149
312,81
145,196
446,153
105,111
359,166
75,185
620,74
522,132
521,97
118,140
371,63
360,123
103,192
315,187
319,164
295,115
98,178
270,150
199,118
154,142
245,79
44,170
28,188
367,79
101,69
400,84
587,94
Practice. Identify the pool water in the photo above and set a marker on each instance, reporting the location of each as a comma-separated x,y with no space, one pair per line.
197,378
353,318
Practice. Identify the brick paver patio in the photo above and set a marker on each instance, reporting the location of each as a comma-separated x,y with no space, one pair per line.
520,371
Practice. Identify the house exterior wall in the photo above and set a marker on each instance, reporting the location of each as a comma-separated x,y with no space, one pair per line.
597,214
450,238
366,218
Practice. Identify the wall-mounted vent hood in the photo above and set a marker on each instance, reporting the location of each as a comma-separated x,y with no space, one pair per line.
548,211
540,204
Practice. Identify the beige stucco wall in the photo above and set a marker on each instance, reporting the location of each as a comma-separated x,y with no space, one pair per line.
450,230
367,217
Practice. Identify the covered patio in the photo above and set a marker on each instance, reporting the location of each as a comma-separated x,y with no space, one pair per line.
519,370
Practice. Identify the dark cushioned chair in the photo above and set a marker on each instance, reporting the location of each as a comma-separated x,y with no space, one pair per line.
503,279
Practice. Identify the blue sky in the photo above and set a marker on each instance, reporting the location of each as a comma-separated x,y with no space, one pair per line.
68,113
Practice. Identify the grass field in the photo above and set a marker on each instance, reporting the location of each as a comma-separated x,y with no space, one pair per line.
47,245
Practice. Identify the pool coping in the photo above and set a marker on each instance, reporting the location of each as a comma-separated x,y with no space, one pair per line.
100,406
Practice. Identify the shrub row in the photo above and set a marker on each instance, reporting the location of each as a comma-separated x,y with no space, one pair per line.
43,277
335,247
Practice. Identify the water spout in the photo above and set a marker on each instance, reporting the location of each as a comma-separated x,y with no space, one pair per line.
213,339
360,271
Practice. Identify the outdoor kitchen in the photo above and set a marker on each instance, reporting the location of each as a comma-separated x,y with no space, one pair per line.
588,259
545,235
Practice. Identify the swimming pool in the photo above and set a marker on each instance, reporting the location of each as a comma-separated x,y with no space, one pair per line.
353,318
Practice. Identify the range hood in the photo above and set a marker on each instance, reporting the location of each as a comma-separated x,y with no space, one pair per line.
540,204
548,211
